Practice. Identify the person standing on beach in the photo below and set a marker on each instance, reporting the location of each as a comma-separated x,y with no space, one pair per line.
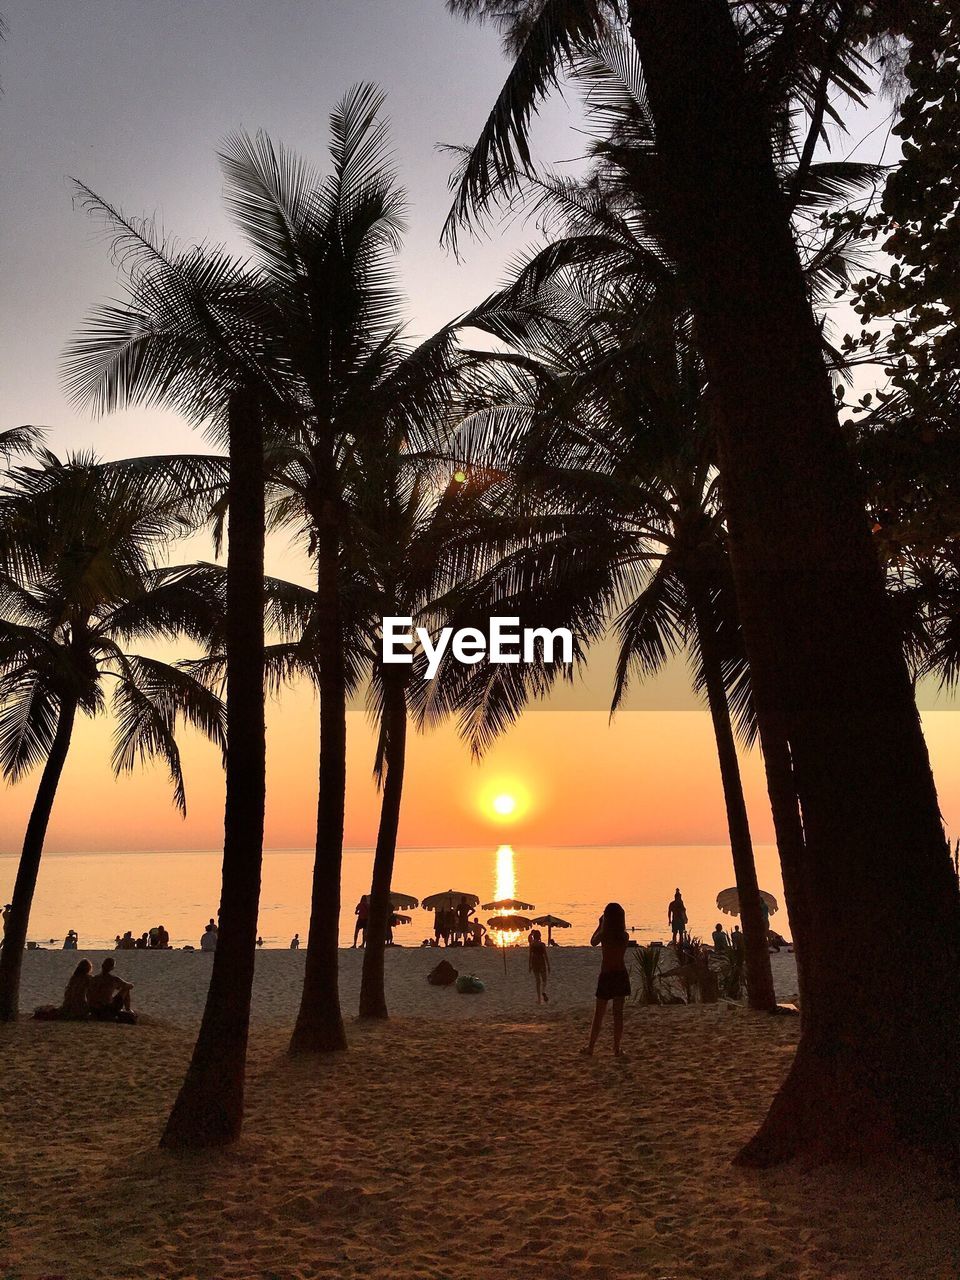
362,912
614,981
736,938
539,965
295,942
677,918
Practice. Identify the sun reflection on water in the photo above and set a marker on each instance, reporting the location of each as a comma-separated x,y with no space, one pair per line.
506,887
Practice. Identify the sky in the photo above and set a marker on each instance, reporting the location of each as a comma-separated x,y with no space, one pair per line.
132,98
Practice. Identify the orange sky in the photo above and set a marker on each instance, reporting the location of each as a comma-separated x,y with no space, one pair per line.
649,778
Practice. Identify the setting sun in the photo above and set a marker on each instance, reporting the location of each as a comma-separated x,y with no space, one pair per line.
504,805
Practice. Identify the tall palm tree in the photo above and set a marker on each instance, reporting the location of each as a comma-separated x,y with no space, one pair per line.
408,510
307,342
616,434
192,333
80,549
825,656
329,244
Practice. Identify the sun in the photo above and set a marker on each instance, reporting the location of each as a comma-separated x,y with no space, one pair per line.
504,804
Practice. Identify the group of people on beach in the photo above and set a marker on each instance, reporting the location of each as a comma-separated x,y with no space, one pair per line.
456,925
155,939
362,912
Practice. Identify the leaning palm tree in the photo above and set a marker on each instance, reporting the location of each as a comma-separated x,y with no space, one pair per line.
615,436
80,579
826,660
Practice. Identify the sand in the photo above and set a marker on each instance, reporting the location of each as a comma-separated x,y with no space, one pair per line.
465,1138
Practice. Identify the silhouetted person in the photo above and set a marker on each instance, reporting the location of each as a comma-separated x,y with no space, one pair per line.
76,1003
362,912
614,981
539,964
259,941
71,941
720,940
677,918
208,940
108,994
142,942
295,942
736,938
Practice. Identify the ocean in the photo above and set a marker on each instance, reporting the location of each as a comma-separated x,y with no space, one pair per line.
101,895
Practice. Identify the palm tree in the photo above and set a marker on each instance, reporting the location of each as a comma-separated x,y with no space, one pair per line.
329,244
825,657
193,333
617,435
306,341
406,521
80,543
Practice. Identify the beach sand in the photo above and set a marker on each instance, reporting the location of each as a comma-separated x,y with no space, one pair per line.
465,1138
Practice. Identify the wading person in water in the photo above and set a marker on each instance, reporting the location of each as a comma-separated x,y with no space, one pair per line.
614,981
539,965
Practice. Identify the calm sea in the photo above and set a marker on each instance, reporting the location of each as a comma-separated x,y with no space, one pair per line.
103,894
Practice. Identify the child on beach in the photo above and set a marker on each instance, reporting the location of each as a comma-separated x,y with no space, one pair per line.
614,981
539,965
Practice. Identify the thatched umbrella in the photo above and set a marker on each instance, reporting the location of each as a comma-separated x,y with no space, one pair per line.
551,923
729,902
508,924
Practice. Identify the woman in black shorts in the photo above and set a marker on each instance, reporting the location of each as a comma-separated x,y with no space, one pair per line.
614,981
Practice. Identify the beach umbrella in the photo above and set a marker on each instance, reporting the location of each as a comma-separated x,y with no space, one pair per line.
403,901
507,904
729,902
398,919
508,924
451,898
551,922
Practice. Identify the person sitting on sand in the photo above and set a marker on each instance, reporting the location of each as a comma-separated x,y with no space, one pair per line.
71,940
208,940
295,942
677,918
259,941
109,995
76,1003
142,942
478,931
720,940
614,981
163,938
539,964
127,942
362,912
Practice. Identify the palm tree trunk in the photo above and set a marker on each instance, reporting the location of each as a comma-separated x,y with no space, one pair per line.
760,992
788,825
319,1025
208,1111
878,1066
373,1000
15,933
